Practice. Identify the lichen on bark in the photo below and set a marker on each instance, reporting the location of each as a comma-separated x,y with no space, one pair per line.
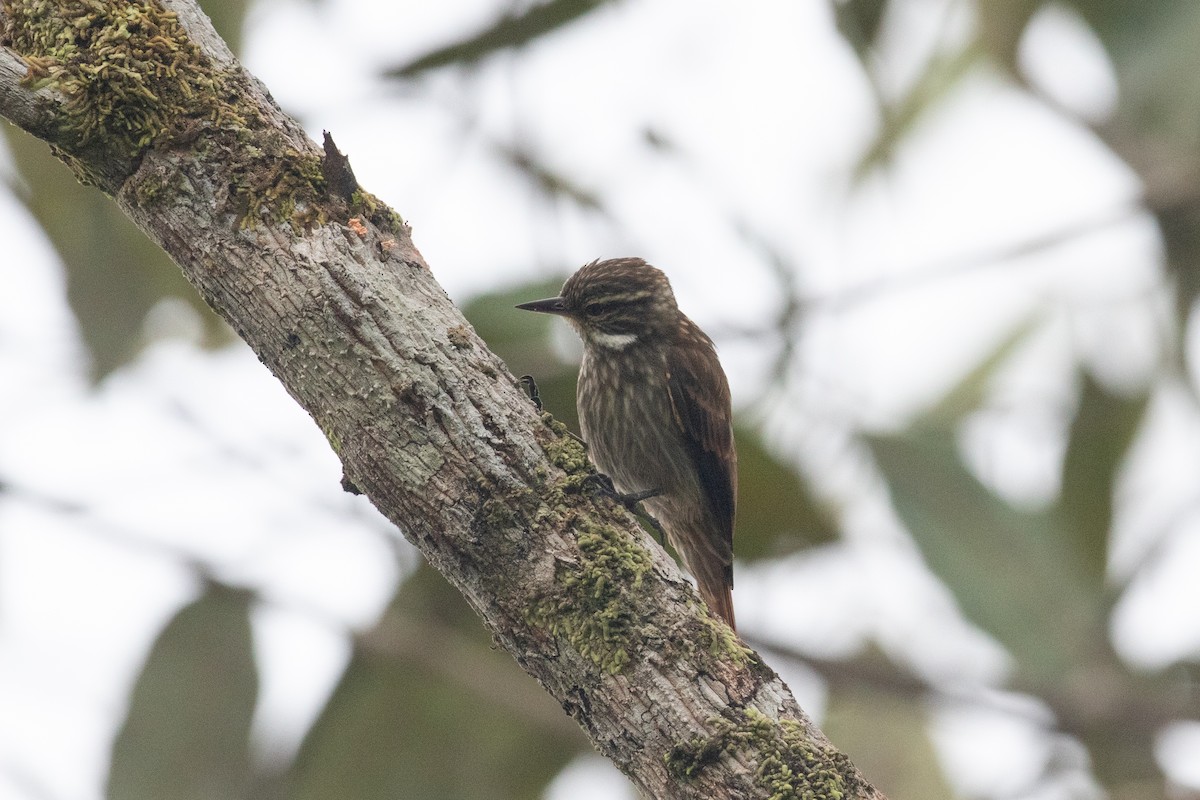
789,764
131,80
127,69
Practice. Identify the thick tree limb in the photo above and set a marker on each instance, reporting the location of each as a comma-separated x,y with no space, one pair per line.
331,294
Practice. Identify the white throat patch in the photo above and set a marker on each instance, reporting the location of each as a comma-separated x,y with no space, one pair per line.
614,341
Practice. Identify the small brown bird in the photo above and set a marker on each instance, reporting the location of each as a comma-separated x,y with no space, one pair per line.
654,410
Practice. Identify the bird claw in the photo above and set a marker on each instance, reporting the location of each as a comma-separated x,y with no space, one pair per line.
653,523
631,500
531,388
599,482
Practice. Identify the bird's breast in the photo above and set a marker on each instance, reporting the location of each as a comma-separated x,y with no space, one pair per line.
626,418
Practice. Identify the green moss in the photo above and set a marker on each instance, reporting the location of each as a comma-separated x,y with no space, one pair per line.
363,203
718,640
127,69
158,184
276,183
790,767
565,451
607,624
498,514
596,602
132,80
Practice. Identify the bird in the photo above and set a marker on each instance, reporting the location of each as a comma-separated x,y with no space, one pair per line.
655,412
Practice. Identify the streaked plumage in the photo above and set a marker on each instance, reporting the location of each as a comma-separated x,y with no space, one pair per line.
654,409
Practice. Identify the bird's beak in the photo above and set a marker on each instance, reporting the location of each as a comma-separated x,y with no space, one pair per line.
551,305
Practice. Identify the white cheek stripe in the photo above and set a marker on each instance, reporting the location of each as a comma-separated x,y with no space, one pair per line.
614,341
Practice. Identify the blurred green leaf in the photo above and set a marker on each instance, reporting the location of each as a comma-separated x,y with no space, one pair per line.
999,27
859,23
887,737
1104,427
1153,126
777,513
115,275
227,17
186,735
1180,228
1059,553
942,74
972,389
1012,571
509,31
428,708
1125,27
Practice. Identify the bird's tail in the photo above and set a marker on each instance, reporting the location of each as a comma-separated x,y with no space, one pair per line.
717,591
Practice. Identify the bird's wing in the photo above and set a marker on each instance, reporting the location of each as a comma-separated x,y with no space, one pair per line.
701,406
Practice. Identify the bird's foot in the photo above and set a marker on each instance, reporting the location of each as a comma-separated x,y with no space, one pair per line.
531,388
631,500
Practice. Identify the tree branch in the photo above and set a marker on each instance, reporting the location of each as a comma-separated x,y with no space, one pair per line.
146,103
25,107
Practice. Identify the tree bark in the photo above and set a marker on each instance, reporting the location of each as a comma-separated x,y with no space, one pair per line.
144,101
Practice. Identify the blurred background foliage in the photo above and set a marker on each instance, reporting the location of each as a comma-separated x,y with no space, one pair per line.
428,708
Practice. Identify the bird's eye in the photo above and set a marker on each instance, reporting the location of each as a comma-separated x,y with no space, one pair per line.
596,308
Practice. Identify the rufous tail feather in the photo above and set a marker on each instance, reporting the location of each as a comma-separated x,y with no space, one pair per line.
721,604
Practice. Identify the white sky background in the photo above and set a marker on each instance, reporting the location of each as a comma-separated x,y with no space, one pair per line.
770,112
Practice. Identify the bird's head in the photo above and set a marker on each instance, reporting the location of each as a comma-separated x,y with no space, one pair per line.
615,304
